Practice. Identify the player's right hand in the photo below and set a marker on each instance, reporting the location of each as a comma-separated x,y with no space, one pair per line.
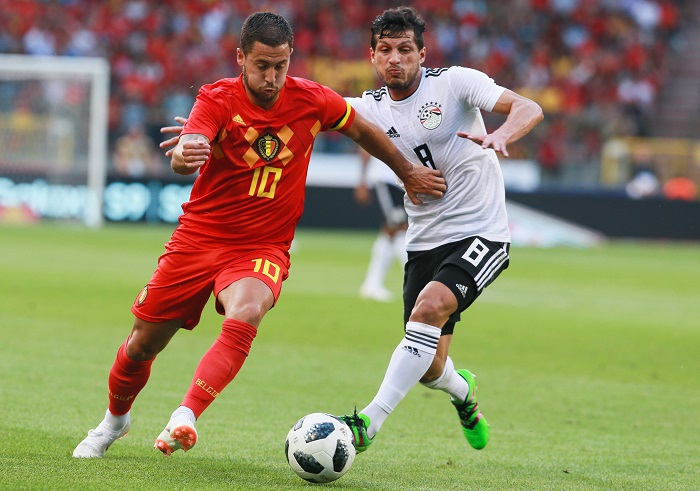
190,154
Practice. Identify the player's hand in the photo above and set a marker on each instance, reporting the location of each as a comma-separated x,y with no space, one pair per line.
362,194
172,141
190,155
487,141
423,180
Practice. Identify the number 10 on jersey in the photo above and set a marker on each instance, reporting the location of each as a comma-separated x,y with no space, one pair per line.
265,181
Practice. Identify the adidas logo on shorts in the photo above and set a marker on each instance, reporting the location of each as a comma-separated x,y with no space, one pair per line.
463,290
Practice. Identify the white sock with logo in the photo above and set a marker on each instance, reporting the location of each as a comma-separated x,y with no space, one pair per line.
409,362
450,382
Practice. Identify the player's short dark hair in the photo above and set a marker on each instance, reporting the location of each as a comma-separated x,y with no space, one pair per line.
396,21
266,28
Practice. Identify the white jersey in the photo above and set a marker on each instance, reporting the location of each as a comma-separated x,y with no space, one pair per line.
379,173
424,128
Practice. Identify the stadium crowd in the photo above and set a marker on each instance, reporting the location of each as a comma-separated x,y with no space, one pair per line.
595,66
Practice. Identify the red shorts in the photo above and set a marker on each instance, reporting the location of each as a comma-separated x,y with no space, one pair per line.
186,277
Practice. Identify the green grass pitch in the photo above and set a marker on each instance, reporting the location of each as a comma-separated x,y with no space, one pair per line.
588,365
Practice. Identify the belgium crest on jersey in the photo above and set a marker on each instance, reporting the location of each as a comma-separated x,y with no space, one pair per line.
268,146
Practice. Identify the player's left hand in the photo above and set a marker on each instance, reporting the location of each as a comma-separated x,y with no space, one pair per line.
172,141
362,194
487,141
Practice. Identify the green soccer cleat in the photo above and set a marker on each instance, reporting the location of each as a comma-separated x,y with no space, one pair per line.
474,425
358,424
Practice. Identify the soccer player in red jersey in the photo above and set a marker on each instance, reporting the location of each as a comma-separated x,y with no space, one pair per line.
250,139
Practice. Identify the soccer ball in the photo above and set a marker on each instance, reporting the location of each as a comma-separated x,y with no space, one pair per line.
319,448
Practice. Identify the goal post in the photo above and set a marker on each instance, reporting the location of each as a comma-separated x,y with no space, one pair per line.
53,133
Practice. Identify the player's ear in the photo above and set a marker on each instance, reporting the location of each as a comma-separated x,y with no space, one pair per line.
421,53
240,57
371,54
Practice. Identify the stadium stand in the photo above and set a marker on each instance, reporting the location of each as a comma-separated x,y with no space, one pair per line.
598,67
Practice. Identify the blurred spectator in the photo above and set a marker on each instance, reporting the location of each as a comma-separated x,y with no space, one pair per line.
136,155
644,183
681,188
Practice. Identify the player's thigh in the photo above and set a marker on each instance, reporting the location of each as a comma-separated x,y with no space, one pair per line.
249,284
471,266
178,290
418,272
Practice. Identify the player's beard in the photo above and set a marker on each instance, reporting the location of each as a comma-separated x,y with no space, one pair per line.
410,79
259,94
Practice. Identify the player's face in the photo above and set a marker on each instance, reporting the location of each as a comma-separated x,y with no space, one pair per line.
397,61
264,72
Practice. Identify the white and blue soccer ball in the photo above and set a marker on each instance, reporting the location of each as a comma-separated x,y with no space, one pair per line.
319,448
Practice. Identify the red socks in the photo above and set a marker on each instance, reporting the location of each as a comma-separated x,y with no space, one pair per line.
220,364
216,369
126,379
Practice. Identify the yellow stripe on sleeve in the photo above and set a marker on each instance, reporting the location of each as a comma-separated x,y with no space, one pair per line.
344,119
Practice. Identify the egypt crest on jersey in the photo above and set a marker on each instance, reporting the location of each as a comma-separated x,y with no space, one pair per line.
424,128
430,115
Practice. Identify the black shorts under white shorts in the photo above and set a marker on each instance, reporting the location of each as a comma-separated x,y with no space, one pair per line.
465,267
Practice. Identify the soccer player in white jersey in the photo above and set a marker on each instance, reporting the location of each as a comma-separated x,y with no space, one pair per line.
458,244
390,244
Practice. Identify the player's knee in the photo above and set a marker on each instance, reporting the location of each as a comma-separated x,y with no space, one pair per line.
249,312
432,310
140,352
148,339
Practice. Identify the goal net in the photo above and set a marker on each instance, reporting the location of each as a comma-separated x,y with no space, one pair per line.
53,136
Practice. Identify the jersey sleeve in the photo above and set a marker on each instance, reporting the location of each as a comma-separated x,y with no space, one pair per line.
339,113
208,114
474,88
359,105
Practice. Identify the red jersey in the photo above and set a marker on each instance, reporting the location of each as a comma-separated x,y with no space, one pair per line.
252,188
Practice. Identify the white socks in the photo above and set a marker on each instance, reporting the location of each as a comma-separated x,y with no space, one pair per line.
184,412
379,263
450,382
411,359
384,250
116,422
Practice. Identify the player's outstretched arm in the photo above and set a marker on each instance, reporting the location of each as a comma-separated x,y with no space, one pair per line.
522,113
191,153
417,179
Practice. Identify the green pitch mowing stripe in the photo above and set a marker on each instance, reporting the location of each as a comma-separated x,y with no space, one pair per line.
587,364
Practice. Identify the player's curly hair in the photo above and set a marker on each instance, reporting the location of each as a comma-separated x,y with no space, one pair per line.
267,28
396,21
